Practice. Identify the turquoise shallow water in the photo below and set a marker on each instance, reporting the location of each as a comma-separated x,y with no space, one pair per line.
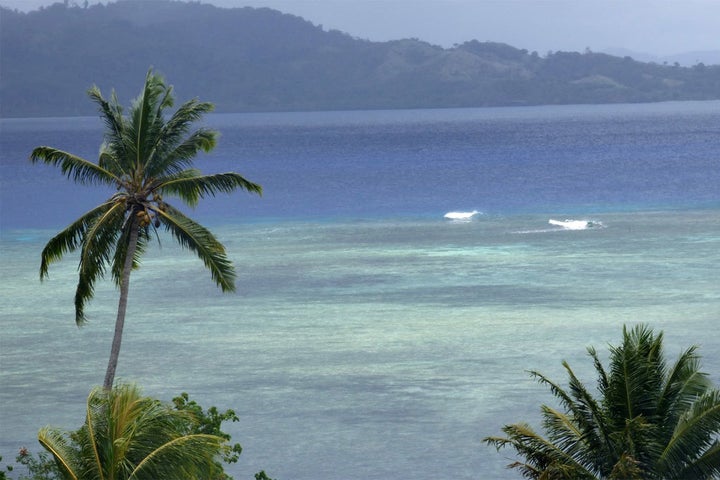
368,348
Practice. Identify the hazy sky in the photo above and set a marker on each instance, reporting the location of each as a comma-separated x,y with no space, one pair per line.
659,27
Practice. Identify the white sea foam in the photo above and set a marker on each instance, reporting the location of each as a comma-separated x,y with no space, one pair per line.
569,224
461,215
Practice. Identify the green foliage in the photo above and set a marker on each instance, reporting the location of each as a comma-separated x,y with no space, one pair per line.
39,466
3,475
129,436
249,59
191,419
210,422
262,476
651,420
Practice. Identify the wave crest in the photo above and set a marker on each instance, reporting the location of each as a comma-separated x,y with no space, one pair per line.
569,224
461,215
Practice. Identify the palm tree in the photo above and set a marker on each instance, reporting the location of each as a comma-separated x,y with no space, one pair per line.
145,157
651,420
130,437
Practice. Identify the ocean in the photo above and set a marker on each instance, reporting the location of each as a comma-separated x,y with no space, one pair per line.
370,335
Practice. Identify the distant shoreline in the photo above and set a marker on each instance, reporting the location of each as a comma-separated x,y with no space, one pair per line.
266,61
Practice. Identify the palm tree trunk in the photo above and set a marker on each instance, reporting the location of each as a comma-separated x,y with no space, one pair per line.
122,306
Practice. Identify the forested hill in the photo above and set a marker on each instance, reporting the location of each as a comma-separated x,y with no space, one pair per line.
247,59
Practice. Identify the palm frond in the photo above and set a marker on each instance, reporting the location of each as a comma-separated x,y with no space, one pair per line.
636,376
171,158
116,415
589,415
172,148
178,124
528,445
541,456
110,159
184,457
697,431
684,382
94,420
603,379
58,444
105,226
167,101
146,125
111,113
705,466
78,169
198,239
565,399
190,186
562,430
69,239
98,243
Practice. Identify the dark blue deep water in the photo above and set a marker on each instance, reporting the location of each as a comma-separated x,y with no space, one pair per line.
370,337
383,164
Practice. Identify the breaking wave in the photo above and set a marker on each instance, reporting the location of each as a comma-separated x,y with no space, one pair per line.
569,224
461,216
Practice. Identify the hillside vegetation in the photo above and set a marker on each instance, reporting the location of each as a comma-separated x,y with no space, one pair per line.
247,59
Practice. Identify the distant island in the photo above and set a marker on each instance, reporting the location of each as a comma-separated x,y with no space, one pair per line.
258,59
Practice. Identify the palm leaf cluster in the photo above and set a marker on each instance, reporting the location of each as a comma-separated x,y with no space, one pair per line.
647,420
127,436
145,157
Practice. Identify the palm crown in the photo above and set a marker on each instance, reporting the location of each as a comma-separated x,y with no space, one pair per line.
146,156
127,436
651,421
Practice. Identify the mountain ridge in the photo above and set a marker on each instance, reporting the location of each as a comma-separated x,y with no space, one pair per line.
258,59
684,59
